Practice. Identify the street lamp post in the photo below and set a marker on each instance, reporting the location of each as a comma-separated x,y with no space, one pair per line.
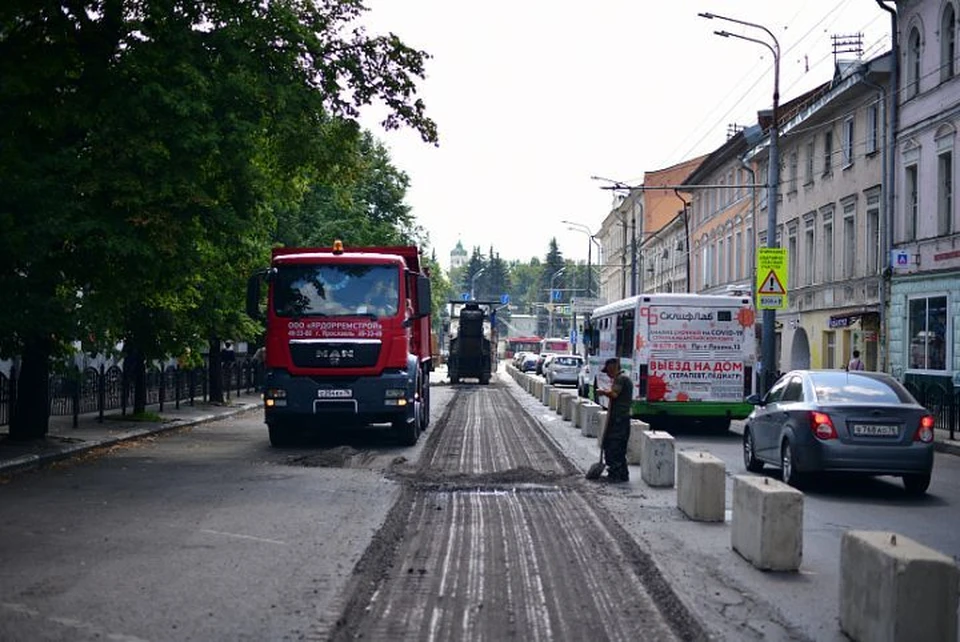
553,280
768,347
591,239
473,282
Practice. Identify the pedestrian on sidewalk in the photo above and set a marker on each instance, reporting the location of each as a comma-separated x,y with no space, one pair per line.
617,434
855,363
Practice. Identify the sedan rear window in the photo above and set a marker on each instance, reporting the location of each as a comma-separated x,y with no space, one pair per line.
842,387
567,361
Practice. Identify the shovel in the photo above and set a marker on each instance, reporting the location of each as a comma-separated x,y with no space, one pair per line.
595,470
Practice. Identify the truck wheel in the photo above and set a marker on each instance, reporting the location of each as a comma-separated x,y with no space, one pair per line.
281,436
407,431
485,379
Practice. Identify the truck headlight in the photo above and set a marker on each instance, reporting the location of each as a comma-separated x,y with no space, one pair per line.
274,397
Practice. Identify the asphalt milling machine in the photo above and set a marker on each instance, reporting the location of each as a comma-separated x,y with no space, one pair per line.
473,340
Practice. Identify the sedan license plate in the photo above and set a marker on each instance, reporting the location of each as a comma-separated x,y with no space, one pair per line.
875,430
338,393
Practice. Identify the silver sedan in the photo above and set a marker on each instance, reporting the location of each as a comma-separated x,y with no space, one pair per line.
835,421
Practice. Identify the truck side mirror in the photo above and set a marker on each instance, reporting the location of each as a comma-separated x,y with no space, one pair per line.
424,300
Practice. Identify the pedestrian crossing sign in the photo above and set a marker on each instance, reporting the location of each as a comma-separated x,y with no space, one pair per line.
771,278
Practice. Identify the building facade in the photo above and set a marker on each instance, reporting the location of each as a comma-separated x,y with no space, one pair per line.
924,313
458,257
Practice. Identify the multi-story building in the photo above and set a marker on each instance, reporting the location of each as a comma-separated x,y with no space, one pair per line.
665,257
722,212
924,313
829,219
640,214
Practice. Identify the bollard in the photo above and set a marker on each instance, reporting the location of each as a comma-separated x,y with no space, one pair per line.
635,445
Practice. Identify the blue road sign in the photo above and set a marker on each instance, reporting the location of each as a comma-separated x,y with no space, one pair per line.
557,295
504,299
573,336
465,296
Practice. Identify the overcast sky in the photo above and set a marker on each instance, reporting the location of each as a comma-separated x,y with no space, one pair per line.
533,97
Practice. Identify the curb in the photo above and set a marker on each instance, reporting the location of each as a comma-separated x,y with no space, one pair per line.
67,451
949,448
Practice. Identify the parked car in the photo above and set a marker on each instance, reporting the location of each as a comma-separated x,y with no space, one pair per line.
563,369
529,363
541,361
813,421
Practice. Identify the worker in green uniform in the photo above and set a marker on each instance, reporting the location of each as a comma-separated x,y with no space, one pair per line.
617,434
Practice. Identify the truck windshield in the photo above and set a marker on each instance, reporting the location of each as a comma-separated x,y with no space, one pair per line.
336,290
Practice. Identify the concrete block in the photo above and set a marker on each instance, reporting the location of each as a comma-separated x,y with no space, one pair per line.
545,394
893,589
582,417
601,422
575,408
635,444
657,465
767,523
701,486
591,420
538,387
566,405
554,398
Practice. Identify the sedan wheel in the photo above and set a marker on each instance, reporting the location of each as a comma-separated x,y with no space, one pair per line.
916,484
790,474
750,461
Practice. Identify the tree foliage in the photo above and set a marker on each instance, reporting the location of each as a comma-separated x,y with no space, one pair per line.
150,151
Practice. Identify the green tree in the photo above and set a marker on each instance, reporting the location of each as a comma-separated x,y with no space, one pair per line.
145,151
551,279
474,265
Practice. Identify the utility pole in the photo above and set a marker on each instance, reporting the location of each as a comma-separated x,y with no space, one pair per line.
768,343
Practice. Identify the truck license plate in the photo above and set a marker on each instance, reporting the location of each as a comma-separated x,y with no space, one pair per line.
338,393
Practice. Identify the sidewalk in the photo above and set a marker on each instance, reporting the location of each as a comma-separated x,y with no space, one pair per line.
64,441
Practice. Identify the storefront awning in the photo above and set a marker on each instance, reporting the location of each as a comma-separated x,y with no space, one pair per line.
846,318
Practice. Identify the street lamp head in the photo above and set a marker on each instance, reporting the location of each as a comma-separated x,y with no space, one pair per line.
704,14
723,34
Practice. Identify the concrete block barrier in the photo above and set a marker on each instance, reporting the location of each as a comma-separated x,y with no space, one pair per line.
657,455
636,443
566,405
895,589
545,394
601,422
591,420
554,398
582,417
767,523
575,408
701,486
537,387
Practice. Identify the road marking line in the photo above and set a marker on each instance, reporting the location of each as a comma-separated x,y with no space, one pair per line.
237,535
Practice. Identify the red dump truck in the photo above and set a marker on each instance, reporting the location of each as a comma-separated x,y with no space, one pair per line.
347,339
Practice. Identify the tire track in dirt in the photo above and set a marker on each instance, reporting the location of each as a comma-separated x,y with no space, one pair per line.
496,538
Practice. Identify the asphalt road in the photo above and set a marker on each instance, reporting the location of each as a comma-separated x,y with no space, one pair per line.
483,530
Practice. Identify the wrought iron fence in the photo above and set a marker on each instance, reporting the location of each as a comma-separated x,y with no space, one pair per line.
100,390
942,401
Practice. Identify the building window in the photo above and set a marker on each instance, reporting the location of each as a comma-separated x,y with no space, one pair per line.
792,259
828,251
873,235
911,203
873,128
948,43
913,63
808,173
730,257
827,152
792,178
928,333
809,259
848,142
829,349
945,194
738,262
721,262
849,241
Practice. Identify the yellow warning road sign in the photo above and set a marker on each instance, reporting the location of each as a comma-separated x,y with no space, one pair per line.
771,278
